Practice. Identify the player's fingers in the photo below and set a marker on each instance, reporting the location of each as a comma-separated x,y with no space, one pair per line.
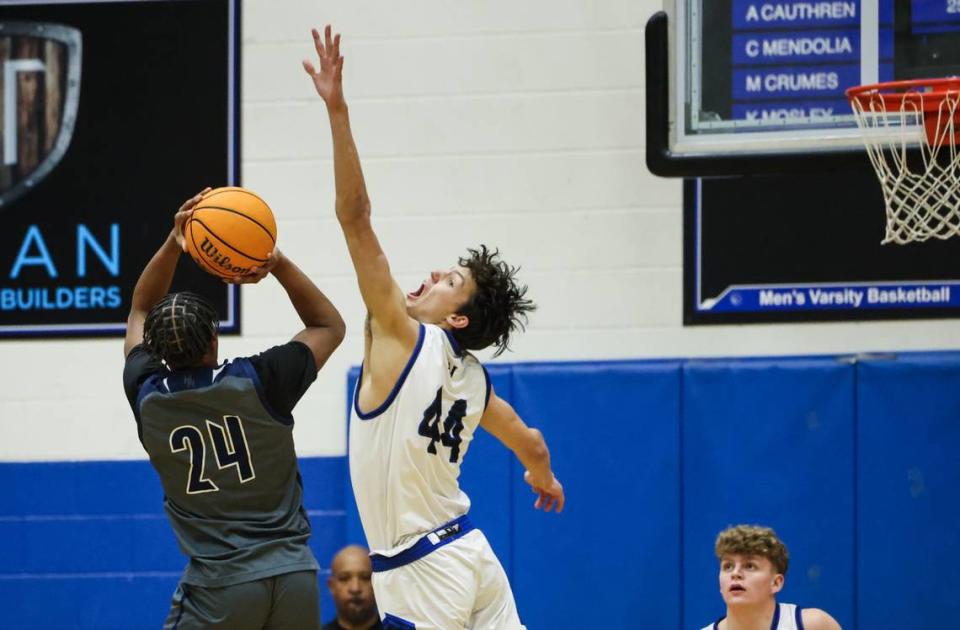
560,501
192,201
310,69
327,40
316,42
339,68
336,46
180,219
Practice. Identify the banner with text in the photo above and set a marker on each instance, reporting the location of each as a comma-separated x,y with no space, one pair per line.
113,114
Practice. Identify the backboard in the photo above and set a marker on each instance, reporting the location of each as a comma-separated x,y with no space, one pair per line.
748,86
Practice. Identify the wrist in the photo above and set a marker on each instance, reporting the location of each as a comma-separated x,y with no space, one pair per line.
337,108
281,264
172,241
542,480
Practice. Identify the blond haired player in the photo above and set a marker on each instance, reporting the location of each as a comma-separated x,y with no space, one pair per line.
753,566
420,397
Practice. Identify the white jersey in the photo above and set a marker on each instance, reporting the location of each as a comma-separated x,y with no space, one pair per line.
405,455
786,617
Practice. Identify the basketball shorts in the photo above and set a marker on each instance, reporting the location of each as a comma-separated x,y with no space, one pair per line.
458,585
290,601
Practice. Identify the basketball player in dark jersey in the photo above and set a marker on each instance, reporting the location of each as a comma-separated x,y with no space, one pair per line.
220,437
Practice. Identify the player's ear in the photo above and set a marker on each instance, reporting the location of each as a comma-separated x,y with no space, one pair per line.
777,583
456,320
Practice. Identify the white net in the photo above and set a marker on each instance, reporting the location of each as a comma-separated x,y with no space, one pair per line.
911,138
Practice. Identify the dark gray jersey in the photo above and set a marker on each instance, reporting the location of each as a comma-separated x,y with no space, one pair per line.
226,460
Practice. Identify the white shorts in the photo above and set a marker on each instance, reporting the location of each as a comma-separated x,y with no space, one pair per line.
460,585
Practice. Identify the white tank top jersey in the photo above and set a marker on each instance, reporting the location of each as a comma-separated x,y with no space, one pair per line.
405,455
786,617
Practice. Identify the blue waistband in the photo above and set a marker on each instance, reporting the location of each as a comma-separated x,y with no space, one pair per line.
439,537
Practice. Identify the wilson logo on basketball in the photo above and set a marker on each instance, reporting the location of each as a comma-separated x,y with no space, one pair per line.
41,90
230,231
213,254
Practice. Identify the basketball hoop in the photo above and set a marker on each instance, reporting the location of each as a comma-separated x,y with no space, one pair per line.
922,194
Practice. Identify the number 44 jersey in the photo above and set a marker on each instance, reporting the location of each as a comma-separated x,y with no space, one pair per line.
405,455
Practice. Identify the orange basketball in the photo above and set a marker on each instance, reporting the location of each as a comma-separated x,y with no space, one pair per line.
231,231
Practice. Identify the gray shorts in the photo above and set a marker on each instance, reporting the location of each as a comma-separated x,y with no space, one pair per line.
290,601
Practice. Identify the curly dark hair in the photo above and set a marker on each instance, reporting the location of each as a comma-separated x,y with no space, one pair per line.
179,328
497,308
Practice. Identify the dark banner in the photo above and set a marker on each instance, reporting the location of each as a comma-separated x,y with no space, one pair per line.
796,248
111,114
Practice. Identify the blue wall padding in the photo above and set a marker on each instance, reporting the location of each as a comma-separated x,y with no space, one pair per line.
612,431
909,483
354,528
87,545
770,442
88,602
855,465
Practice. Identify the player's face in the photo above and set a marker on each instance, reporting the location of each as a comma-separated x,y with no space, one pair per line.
440,296
748,580
351,587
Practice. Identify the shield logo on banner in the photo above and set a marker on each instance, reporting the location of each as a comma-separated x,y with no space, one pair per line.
39,93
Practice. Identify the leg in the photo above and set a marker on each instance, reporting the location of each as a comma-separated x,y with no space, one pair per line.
495,608
296,602
238,607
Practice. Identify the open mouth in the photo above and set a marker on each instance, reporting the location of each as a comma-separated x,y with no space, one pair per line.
736,588
418,292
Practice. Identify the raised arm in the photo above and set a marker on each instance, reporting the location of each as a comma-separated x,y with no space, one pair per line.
324,328
155,279
530,448
382,296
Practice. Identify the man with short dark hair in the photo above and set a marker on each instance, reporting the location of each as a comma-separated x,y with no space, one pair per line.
352,591
220,438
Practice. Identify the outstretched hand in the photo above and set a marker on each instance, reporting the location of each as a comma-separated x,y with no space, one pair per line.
184,213
328,81
549,495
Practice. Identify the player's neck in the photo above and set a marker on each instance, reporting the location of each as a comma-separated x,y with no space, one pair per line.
750,617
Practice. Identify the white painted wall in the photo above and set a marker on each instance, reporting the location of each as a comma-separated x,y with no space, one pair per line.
517,124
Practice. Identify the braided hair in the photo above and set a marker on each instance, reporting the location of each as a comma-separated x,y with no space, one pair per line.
179,329
497,308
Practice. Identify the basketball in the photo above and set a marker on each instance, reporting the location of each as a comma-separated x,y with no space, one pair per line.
231,231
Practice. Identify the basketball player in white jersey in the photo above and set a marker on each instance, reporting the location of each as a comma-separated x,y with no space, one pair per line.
753,566
419,399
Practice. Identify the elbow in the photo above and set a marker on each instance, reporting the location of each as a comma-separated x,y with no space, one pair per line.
353,208
338,330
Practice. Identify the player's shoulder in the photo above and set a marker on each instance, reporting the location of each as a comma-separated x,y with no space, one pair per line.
816,619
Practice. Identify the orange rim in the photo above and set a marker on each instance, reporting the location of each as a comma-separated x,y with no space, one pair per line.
894,93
